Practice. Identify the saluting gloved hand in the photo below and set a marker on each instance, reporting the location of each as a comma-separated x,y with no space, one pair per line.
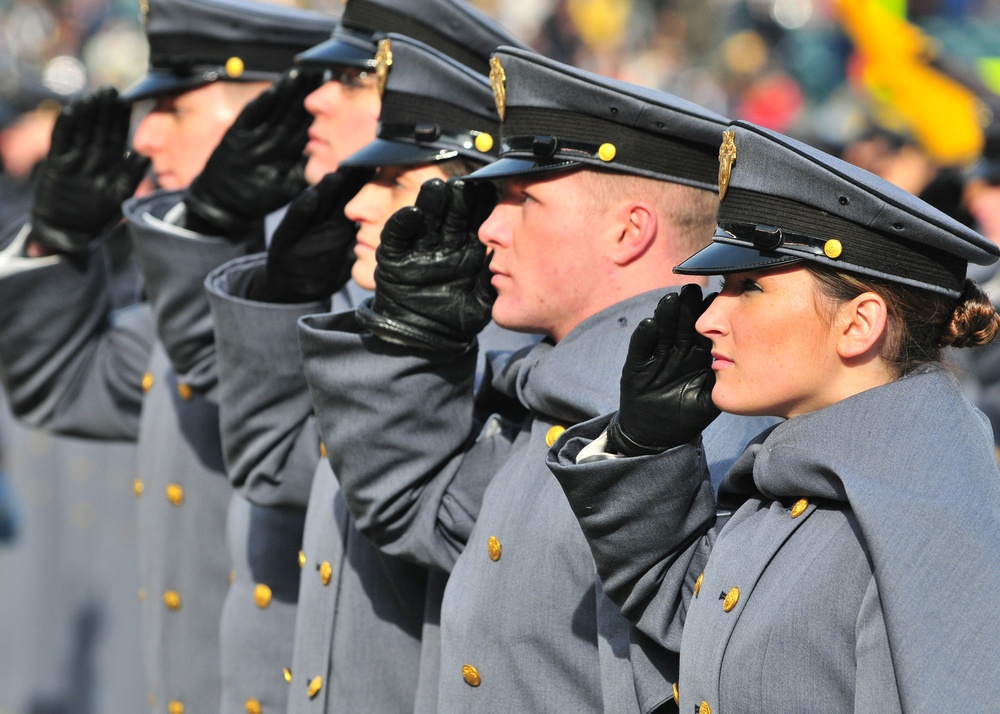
667,380
310,256
432,277
86,175
258,167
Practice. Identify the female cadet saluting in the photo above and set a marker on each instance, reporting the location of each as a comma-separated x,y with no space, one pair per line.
850,561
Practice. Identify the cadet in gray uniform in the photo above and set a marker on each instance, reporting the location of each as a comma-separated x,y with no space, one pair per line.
857,568
107,374
602,185
357,643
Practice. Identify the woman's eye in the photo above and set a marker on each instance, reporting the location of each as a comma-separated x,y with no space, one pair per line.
739,286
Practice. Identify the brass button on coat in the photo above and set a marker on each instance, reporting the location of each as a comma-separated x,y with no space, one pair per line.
494,548
253,707
172,599
302,560
147,381
677,695
175,494
138,487
553,434
184,391
697,584
288,674
142,594
322,450
703,708
732,597
471,675
176,706
315,684
800,507
262,595
325,572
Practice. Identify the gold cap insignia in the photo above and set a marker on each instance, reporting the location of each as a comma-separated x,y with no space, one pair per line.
498,79
383,61
833,248
727,157
607,152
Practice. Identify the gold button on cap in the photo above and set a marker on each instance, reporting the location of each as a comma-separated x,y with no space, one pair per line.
235,67
184,391
697,584
553,435
732,597
471,675
175,706
253,707
138,487
172,599
147,381
800,507
288,674
325,572
703,708
484,142
302,559
315,684
833,248
175,494
262,595
677,695
607,152
494,548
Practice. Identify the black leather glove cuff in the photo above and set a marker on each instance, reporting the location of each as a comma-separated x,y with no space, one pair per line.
402,333
621,443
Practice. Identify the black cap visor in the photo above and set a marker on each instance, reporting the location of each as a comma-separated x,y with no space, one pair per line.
383,152
158,83
724,258
344,49
507,167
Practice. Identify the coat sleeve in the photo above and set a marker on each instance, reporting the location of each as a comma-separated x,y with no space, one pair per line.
174,264
649,522
402,437
68,362
269,434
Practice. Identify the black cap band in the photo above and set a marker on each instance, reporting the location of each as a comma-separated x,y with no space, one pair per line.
805,232
635,151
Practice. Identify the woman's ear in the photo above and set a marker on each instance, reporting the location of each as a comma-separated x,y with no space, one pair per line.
861,325
639,225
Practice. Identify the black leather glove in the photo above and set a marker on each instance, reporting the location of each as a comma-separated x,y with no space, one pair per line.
258,166
310,255
432,279
86,175
667,380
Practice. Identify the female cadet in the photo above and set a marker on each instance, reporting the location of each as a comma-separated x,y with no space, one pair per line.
850,561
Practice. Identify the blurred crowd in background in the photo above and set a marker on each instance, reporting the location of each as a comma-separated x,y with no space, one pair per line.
786,64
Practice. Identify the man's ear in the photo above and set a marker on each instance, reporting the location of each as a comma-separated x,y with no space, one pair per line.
638,226
861,325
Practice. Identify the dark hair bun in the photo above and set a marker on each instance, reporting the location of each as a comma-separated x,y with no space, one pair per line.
975,321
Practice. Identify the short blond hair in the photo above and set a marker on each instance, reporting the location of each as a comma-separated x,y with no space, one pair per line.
690,212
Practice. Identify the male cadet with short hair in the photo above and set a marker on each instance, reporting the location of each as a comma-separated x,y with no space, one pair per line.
74,366
360,614
603,186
